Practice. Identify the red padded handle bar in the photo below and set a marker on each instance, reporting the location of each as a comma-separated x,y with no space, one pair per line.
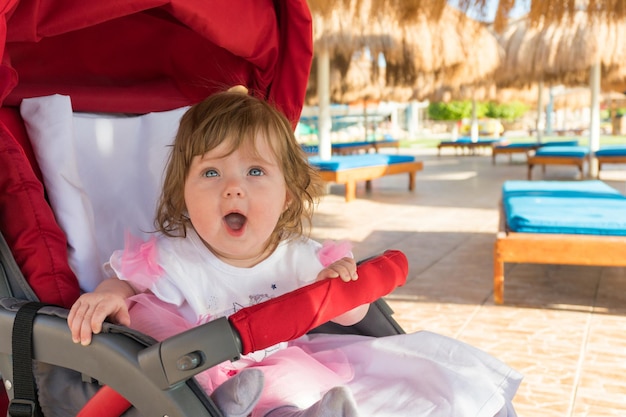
315,304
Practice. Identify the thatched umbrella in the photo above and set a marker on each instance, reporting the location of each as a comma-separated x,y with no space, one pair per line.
539,11
423,50
578,50
563,52
349,25
352,78
342,27
421,53
450,52
455,55
549,12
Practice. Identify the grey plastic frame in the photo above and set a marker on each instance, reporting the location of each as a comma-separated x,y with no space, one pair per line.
112,359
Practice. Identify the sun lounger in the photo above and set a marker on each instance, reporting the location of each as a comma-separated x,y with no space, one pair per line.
387,142
559,155
559,222
348,169
348,148
524,147
573,142
613,154
512,148
355,147
466,145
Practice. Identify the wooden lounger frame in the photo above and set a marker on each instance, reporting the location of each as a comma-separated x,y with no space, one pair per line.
556,160
350,176
470,147
375,146
552,248
510,150
609,159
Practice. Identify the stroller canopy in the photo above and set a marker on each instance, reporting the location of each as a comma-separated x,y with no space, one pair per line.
129,56
137,56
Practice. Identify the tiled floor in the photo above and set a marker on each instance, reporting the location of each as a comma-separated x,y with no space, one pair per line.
563,327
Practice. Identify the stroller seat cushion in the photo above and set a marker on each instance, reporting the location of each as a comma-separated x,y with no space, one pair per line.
102,174
38,244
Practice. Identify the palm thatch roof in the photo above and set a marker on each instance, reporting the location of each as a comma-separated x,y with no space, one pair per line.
405,11
580,98
422,54
455,49
551,11
562,52
349,25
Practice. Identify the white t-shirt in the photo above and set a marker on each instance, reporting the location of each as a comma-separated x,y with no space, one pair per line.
204,288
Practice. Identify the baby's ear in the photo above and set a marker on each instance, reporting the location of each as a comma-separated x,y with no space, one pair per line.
288,200
238,89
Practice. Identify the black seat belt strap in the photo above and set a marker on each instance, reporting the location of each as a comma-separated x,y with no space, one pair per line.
24,403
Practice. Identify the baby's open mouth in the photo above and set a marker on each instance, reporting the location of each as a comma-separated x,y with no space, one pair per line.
235,221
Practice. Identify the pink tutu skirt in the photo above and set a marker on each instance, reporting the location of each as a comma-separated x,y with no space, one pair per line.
292,376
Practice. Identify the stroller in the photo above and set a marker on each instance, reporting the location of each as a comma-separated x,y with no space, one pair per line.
134,58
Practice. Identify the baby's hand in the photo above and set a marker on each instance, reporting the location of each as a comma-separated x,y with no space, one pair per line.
89,312
344,268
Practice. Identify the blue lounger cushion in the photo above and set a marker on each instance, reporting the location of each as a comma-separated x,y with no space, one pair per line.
362,143
310,149
467,139
535,144
611,150
564,207
560,143
349,144
563,151
338,163
386,140
590,188
520,145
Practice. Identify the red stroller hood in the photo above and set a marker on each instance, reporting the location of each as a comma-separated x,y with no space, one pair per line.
151,55
129,57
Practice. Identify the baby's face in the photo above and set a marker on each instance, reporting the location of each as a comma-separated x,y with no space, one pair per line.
235,201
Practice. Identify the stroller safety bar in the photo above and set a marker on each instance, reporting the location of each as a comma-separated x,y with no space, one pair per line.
102,360
186,354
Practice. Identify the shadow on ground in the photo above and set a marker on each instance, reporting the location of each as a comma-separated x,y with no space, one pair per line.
457,267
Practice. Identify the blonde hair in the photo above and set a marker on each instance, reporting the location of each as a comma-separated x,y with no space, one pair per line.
238,118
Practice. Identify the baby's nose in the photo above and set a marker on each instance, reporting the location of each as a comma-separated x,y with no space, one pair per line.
234,190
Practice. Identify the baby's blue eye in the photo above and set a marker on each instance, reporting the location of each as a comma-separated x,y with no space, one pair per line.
255,172
210,173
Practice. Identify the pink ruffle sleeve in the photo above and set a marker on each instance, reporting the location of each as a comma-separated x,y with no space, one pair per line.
138,263
332,251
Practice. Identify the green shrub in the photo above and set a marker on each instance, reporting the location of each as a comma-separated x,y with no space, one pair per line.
506,111
457,110
605,114
454,110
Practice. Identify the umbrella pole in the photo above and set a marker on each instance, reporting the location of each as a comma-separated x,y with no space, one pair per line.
594,125
474,125
549,111
539,121
324,121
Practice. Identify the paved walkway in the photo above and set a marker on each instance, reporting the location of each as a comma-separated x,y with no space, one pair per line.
563,327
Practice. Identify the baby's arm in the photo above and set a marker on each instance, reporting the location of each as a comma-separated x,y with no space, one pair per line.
91,309
345,268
